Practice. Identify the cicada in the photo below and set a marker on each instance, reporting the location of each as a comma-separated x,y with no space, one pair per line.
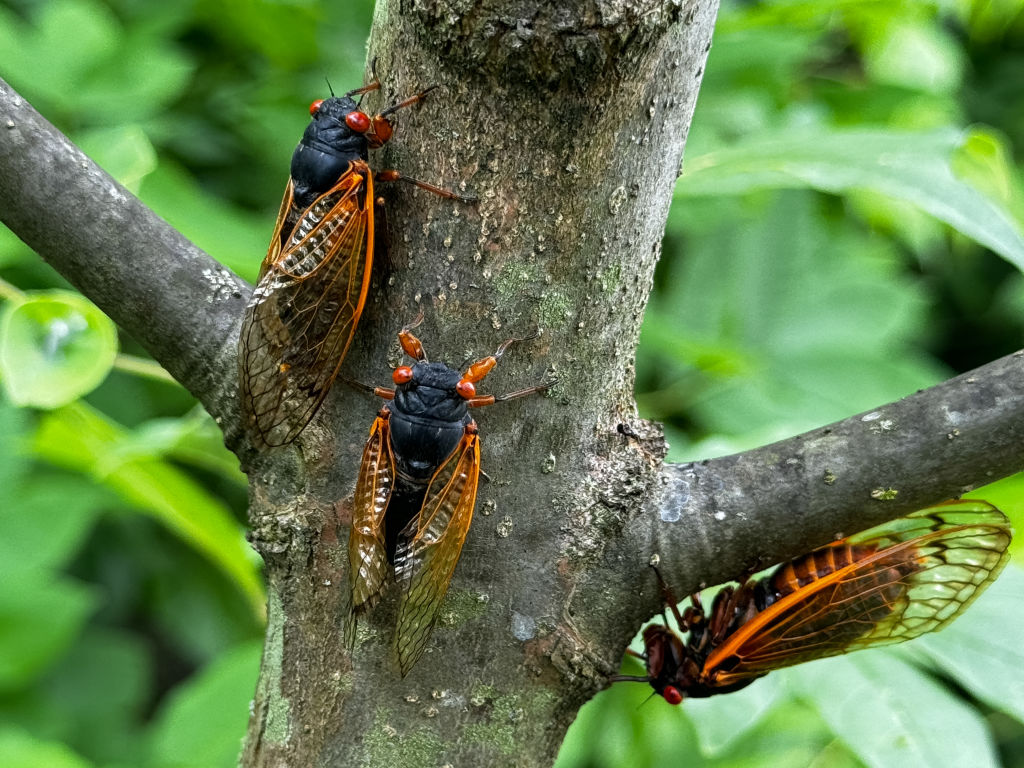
314,280
416,490
886,585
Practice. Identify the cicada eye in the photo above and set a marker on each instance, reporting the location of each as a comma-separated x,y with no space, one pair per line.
402,375
315,107
358,121
466,389
672,695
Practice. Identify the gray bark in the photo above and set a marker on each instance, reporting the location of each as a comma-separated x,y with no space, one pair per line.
568,120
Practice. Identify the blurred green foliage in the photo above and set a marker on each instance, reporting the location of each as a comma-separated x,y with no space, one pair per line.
848,229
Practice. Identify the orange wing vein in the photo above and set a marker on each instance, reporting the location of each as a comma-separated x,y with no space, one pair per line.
305,308
908,577
426,557
367,550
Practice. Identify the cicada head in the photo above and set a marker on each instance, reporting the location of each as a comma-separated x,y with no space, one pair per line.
429,390
339,124
665,658
328,148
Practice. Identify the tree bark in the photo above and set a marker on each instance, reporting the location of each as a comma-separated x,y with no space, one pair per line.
568,120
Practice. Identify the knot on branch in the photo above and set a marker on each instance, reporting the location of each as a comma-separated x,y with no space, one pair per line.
544,41
277,529
613,490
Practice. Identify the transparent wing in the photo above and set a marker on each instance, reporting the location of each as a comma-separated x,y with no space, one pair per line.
305,308
900,580
286,216
367,550
425,560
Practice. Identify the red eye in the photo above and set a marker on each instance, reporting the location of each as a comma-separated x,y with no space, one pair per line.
358,122
466,389
402,375
315,107
672,695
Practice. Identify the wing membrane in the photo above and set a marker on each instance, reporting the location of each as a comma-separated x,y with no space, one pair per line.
425,560
305,308
906,578
367,550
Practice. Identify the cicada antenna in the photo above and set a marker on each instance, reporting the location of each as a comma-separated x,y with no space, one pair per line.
416,323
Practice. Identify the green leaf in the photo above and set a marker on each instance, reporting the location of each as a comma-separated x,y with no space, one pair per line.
202,722
791,735
199,613
45,522
194,439
982,648
913,52
18,749
721,721
236,239
134,81
79,438
39,618
14,460
13,252
93,699
100,689
65,39
607,732
74,57
260,25
123,151
915,168
891,714
804,323
54,347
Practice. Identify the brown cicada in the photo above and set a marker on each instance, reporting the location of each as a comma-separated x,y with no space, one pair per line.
886,585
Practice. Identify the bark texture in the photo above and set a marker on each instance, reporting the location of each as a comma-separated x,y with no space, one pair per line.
568,120
174,299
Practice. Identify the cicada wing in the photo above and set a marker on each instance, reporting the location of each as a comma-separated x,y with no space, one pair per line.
886,585
305,308
367,548
425,558
284,214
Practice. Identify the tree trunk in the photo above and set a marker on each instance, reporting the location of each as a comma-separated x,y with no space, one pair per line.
568,120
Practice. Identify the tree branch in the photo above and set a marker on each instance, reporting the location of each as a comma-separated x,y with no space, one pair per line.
714,520
175,300
568,120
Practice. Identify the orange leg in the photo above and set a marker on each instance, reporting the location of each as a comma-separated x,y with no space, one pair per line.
381,128
421,96
382,392
482,400
393,175
375,85
481,368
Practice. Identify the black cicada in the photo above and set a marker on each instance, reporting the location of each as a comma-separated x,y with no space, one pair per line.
313,282
416,490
